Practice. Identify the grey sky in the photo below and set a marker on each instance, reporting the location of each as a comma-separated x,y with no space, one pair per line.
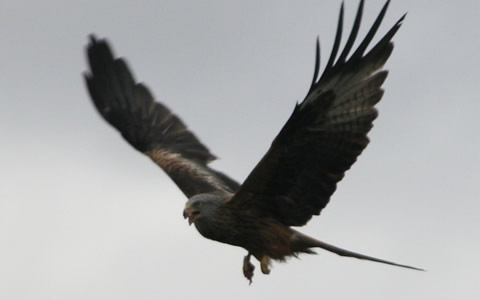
84,216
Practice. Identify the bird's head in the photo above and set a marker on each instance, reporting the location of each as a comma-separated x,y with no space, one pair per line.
200,206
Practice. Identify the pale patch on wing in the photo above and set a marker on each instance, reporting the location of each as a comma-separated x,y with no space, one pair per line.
188,174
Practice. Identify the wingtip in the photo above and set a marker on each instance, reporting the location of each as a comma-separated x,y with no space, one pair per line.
95,41
384,8
317,63
92,38
342,8
402,18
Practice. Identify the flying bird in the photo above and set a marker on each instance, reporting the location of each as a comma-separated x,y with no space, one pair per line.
294,180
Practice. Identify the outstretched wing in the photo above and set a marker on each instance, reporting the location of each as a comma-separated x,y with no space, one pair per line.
325,133
149,126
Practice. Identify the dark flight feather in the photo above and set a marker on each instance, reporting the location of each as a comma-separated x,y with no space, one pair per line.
325,133
336,43
353,34
149,126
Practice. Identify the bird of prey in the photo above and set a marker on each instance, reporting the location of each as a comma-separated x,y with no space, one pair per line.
295,179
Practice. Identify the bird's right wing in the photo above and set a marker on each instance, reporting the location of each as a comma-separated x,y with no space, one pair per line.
325,133
149,126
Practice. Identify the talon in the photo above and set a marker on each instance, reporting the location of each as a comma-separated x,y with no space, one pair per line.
248,268
264,263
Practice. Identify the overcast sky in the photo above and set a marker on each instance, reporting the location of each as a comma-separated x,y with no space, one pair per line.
84,216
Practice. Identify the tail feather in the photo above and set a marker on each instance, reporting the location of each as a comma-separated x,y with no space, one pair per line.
304,241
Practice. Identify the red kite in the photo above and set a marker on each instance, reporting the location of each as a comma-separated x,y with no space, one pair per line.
295,179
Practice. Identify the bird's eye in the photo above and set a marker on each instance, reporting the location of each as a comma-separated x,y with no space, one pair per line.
200,204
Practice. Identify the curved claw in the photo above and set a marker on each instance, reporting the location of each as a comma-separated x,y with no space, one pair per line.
248,268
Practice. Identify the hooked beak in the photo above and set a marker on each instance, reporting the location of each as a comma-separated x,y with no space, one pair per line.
191,214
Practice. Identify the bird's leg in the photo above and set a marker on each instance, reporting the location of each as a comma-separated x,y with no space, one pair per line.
248,268
265,263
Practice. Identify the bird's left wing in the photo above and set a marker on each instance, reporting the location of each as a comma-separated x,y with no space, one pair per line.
325,133
149,126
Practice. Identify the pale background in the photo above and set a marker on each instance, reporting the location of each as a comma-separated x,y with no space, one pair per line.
84,216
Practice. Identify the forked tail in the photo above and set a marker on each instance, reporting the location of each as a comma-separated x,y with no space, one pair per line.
301,240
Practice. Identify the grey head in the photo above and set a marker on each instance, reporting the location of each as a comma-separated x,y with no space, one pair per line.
202,206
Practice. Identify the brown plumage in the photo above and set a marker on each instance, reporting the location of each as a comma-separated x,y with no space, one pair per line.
295,179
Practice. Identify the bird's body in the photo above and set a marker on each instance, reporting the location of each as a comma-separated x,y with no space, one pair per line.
295,179
259,235
262,236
